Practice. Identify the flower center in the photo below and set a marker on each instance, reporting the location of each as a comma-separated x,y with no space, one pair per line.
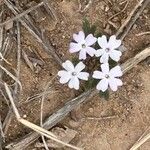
83,46
107,76
74,73
107,50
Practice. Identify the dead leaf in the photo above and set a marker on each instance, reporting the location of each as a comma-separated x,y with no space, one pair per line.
65,135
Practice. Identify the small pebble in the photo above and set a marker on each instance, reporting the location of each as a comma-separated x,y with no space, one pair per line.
91,110
25,116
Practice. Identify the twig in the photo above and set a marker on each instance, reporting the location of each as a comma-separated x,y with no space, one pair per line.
18,56
41,114
32,126
86,7
21,14
60,114
36,96
72,104
27,60
7,120
135,60
11,75
134,15
2,135
143,33
127,2
28,24
50,10
98,118
140,142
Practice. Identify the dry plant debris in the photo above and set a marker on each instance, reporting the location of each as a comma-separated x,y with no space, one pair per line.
22,18
64,134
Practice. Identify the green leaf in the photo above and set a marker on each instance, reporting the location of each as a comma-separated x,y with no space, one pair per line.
93,29
91,83
99,34
75,60
104,95
112,63
86,26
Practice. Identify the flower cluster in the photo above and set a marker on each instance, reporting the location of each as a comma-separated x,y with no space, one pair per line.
108,50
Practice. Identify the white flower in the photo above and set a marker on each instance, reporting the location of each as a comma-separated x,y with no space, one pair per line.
108,49
108,77
83,45
72,74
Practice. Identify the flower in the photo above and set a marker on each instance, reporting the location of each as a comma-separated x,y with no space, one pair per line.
72,74
108,49
83,45
108,77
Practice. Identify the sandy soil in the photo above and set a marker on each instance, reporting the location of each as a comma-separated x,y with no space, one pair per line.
129,105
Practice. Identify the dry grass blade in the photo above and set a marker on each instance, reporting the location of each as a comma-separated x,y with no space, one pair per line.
61,113
140,142
11,75
143,33
69,106
86,7
50,10
21,14
135,60
28,24
134,15
7,120
45,133
1,134
27,60
41,114
32,126
1,129
18,55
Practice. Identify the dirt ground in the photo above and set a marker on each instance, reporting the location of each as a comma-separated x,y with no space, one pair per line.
129,106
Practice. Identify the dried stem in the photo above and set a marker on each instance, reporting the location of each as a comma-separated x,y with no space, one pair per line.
2,135
21,14
140,142
41,114
134,15
28,24
32,126
18,55
72,104
69,106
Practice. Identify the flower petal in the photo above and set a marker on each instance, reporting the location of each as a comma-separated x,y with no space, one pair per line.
79,67
62,73
104,58
116,72
119,82
80,37
65,79
68,65
113,84
90,40
102,41
74,47
90,51
115,55
99,52
74,83
82,54
83,75
98,75
102,85
105,68
113,42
